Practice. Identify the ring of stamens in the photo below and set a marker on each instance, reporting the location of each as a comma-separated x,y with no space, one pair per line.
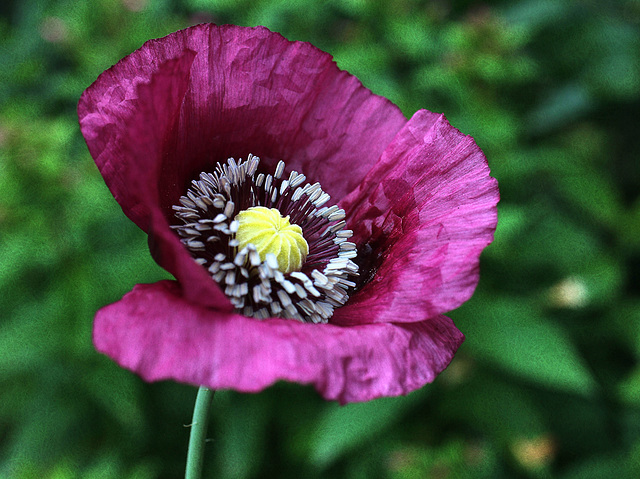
256,287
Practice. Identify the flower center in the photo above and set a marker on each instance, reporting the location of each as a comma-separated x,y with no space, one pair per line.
271,233
268,241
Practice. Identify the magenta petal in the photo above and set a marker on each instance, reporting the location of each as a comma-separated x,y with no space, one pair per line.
180,104
129,155
127,117
156,333
429,208
253,91
249,91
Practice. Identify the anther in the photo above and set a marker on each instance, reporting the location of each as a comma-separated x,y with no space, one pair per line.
268,241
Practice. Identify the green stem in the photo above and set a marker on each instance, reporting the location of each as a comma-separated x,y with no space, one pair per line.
198,436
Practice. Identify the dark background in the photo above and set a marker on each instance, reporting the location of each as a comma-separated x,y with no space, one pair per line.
547,383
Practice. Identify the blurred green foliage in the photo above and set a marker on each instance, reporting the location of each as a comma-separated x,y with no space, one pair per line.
547,383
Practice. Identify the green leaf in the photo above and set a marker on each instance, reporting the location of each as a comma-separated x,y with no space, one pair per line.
516,337
496,406
342,428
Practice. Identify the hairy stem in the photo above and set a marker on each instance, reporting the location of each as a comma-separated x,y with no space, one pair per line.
198,436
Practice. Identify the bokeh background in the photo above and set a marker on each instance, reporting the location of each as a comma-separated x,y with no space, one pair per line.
547,383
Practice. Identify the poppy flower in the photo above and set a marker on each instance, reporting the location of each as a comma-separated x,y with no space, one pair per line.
328,258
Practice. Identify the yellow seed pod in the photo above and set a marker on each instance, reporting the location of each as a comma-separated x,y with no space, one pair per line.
270,232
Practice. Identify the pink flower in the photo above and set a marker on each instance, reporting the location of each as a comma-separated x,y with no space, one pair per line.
416,193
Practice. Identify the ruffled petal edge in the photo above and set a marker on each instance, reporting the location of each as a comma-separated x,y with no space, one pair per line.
428,209
154,332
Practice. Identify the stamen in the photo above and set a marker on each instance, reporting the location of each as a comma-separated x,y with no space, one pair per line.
277,280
